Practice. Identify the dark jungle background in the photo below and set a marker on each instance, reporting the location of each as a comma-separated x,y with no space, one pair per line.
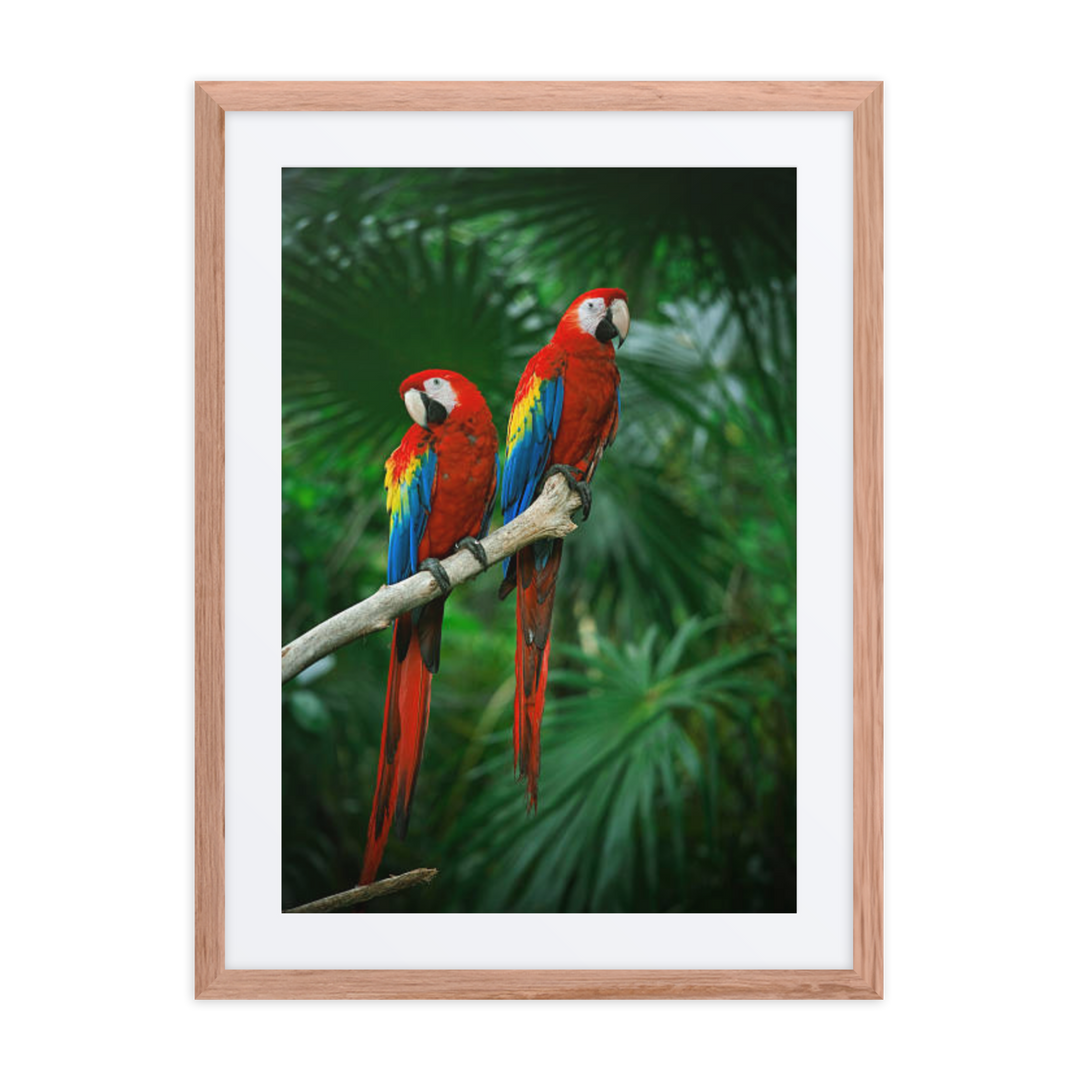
668,769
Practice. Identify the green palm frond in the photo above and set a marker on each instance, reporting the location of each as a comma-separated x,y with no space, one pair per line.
662,232
626,766
365,305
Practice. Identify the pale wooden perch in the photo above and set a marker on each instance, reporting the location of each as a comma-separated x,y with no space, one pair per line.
363,893
548,517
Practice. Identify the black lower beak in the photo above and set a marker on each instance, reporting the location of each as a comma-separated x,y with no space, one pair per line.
605,331
433,410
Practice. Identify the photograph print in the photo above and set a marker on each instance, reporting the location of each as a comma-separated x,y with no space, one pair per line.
603,720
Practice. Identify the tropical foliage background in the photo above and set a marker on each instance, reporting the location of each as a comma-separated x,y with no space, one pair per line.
668,776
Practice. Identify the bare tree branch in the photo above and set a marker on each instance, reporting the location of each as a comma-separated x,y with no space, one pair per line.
363,893
548,517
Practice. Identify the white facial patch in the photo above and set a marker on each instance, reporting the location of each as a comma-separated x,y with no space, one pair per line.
441,391
589,314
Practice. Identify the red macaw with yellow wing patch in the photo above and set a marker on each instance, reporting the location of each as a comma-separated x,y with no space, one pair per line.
565,414
440,491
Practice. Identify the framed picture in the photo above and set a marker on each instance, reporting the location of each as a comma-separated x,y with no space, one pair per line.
594,979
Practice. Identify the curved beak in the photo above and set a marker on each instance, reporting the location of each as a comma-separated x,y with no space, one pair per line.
415,407
619,314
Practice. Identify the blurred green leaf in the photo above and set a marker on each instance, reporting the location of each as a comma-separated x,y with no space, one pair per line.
310,712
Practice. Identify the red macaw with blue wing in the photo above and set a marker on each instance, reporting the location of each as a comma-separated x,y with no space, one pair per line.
440,491
565,414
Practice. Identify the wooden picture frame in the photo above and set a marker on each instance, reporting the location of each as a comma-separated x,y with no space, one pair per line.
212,99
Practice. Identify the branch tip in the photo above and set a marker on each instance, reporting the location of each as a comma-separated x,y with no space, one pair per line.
361,894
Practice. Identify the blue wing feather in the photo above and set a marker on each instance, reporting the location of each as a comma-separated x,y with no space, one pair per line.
409,502
534,424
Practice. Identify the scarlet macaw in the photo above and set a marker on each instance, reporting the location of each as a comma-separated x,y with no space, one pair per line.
565,414
440,491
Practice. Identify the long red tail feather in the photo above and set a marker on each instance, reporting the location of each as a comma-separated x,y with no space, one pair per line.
535,601
405,721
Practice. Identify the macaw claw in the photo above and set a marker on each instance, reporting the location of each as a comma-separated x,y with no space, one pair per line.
584,492
434,568
474,548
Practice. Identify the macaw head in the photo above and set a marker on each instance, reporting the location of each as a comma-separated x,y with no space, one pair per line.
431,396
599,315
